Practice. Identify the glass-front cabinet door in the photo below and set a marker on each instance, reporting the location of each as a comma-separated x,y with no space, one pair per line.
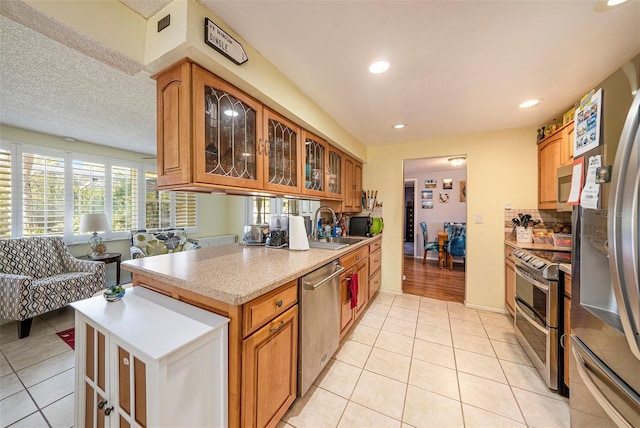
315,165
334,173
227,134
281,153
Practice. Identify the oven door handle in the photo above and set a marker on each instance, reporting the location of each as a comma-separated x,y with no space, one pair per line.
527,277
537,315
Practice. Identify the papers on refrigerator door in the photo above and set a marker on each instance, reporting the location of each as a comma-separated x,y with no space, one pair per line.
576,182
591,191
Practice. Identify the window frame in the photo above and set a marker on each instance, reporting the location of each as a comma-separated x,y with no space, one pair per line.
17,150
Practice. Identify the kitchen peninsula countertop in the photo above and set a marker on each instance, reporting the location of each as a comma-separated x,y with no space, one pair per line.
235,274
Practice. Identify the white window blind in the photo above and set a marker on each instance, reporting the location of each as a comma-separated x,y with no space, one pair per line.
185,209
88,190
125,198
5,193
158,204
43,194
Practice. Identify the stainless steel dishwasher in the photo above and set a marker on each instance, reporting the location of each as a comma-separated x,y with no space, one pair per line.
319,329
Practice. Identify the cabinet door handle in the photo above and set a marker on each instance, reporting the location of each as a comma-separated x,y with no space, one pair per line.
260,144
108,411
278,327
101,404
279,303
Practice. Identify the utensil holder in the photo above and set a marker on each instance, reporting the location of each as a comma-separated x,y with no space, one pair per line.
524,234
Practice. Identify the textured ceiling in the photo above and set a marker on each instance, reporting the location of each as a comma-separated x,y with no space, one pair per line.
457,67
50,88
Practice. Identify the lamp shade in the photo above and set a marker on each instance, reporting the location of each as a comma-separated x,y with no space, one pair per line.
94,222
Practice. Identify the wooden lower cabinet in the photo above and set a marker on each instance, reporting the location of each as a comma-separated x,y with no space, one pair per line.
510,285
347,314
269,370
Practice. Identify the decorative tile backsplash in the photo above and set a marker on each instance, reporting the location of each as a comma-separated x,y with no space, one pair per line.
547,217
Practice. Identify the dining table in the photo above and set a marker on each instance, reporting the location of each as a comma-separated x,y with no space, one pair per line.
443,236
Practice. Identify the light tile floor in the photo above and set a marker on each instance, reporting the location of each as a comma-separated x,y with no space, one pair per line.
418,362
410,362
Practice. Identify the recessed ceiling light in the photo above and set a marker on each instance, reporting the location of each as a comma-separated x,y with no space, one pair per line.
612,3
379,67
530,103
231,113
399,126
69,139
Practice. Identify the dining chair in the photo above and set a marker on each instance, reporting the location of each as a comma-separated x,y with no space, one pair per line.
457,243
428,246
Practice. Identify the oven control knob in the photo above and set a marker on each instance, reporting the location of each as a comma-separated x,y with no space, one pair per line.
538,264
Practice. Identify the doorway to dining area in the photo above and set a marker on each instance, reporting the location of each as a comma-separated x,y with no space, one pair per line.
439,214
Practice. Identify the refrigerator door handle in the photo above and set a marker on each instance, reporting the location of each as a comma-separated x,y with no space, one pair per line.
602,371
623,228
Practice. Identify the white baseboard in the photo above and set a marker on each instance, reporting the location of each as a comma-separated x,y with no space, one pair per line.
486,308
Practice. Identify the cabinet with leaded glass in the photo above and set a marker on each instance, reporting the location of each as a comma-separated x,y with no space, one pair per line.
334,173
316,156
281,153
227,133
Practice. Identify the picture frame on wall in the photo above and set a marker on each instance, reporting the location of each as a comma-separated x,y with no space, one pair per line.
430,183
427,204
447,184
427,194
463,191
444,197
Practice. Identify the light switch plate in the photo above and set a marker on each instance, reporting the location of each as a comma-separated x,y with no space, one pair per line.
479,218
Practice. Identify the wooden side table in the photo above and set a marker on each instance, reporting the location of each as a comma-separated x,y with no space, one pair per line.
106,259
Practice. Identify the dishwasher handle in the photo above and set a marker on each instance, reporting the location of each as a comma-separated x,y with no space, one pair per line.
310,286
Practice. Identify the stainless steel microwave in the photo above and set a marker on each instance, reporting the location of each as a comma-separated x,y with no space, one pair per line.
564,187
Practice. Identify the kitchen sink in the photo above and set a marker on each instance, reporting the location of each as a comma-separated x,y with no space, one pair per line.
334,243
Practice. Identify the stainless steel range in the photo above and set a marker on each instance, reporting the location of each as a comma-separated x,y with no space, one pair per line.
539,309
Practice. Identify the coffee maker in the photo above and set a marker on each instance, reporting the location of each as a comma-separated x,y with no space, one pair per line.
278,236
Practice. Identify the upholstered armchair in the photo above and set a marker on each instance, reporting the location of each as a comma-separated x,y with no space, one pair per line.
39,274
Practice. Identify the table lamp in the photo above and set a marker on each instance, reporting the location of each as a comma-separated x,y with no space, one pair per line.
95,223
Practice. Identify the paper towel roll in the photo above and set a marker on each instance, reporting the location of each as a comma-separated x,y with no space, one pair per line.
298,239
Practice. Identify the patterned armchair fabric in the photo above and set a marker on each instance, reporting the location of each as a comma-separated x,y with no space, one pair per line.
39,274
152,243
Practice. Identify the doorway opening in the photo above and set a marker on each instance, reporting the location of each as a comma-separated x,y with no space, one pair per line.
437,188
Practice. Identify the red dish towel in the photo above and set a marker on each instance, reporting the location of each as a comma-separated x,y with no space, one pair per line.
353,290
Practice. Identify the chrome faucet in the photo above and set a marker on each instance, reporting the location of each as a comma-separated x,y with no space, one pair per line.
315,220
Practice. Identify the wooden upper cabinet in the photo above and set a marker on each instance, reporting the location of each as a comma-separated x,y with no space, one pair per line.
316,160
335,180
352,185
554,151
227,133
173,89
282,151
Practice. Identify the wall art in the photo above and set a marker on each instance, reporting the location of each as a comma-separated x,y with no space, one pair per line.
444,197
430,183
447,184
463,191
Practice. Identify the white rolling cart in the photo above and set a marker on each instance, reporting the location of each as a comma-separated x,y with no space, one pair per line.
149,360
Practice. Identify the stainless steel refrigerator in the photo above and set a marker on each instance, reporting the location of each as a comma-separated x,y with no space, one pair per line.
605,304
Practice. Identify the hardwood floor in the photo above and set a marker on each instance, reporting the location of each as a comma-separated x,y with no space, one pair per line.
429,280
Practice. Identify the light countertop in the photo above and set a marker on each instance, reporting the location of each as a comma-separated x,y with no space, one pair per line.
233,273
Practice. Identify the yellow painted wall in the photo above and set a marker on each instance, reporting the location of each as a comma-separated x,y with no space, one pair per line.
109,22
501,166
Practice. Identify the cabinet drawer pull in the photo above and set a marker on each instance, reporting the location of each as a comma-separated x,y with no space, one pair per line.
279,303
357,258
278,327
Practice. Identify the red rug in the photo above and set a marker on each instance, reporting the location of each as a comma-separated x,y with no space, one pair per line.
68,336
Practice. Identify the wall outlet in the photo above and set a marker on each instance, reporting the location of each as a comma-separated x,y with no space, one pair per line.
507,205
479,218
